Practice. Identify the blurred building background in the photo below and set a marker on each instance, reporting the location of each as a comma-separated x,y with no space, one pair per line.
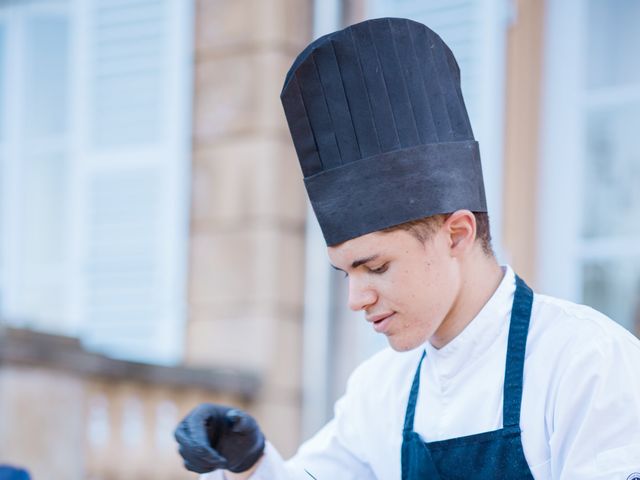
155,246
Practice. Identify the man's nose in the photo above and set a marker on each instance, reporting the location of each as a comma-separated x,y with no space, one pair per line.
361,295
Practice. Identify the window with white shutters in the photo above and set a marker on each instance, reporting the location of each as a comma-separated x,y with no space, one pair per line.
100,173
36,165
135,176
3,155
590,207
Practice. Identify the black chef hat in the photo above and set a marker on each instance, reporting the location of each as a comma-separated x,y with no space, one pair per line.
380,128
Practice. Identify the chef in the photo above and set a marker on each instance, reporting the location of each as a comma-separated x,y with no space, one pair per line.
483,378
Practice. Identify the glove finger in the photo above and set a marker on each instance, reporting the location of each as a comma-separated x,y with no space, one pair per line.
196,449
197,467
187,435
201,459
182,434
239,422
210,462
196,425
199,464
193,463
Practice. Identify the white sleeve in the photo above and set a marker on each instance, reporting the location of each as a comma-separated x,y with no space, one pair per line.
596,421
338,450
271,467
332,453
325,456
321,457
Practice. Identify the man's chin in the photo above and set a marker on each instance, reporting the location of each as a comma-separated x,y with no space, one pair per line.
404,344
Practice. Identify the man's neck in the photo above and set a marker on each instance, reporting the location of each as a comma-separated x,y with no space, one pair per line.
480,279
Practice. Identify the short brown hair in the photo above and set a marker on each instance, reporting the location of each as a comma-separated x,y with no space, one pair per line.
423,228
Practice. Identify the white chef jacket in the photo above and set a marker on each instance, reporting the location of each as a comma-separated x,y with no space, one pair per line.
580,415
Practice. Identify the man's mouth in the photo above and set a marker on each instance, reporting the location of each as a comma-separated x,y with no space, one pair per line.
381,322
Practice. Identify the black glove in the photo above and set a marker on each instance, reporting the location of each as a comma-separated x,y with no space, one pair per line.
215,437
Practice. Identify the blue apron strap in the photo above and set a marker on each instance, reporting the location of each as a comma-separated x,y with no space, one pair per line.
514,372
413,399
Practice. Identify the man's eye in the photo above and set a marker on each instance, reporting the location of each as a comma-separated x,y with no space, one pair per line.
381,269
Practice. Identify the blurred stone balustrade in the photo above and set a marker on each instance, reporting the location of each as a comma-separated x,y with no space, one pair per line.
67,414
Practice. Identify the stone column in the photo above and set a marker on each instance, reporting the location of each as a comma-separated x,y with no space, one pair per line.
248,206
522,134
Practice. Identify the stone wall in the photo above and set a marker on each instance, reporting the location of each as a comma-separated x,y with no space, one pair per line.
69,414
248,206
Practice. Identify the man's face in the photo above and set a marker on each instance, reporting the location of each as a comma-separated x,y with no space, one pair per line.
404,286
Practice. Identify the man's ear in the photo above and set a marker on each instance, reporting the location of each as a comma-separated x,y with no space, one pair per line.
461,229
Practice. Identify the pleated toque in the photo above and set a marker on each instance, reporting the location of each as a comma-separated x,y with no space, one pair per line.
380,128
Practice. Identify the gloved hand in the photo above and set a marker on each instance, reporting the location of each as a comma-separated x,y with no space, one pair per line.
215,437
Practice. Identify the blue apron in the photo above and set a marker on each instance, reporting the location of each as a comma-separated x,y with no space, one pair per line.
491,455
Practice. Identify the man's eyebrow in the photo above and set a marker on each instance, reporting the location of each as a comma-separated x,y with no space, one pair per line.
357,263
362,261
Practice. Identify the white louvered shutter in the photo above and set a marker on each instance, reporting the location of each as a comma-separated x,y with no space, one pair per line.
3,160
135,170
590,164
36,166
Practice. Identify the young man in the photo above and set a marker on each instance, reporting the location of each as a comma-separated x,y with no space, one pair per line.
483,379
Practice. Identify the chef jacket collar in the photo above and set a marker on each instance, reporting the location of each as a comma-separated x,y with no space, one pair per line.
483,331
